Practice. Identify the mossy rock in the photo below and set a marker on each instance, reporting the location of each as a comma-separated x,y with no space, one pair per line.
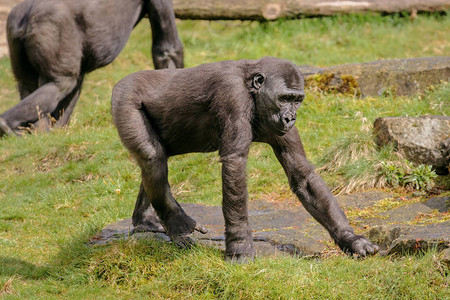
332,83
380,78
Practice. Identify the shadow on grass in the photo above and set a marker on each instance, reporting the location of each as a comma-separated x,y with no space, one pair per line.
78,259
13,266
71,256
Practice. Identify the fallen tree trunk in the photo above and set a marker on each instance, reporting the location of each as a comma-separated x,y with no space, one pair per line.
271,10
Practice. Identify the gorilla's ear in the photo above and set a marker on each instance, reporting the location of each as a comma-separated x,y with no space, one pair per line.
258,80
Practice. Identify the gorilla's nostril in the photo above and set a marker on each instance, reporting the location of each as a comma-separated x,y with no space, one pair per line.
289,120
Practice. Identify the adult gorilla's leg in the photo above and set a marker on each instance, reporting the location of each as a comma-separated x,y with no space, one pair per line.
53,46
316,196
167,50
65,107
38,108
144,215
39,104
61,115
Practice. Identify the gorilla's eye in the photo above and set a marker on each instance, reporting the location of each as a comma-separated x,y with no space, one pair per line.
292,97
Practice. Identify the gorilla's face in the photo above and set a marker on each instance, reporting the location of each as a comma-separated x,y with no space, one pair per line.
278,93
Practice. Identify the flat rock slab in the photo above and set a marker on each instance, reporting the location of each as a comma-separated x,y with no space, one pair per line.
405,213
442,204
396,76
394,233
277,230
285,228
362,200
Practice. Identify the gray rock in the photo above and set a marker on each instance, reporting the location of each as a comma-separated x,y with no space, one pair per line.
362,200
122,230
285,228
384,235
422,238
422,140
442,204
406,213
310,70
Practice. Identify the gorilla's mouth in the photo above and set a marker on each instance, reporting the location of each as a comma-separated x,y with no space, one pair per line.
282,130
280,125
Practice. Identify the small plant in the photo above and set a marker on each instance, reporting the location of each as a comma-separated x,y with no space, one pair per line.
392,173
419,178
422,177
359,164
388,92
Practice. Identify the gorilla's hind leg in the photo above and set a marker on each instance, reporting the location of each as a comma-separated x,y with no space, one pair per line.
141,139
144,215
177,224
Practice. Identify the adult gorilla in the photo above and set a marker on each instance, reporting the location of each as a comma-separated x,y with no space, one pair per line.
221,106
54,43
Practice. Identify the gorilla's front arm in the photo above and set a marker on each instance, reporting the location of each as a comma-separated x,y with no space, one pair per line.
233,151
315,196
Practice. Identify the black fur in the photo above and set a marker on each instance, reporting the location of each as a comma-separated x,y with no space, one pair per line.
222,106
54,43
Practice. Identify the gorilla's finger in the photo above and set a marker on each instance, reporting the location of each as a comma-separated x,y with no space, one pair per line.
200,228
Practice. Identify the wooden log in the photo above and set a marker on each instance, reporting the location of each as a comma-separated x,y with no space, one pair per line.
274,9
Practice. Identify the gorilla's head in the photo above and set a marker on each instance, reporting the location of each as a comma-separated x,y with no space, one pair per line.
277,89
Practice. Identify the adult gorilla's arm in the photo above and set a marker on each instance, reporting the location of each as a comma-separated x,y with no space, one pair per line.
315,196
167,50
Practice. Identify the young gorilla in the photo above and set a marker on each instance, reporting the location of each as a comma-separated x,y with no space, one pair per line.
221,106
54,43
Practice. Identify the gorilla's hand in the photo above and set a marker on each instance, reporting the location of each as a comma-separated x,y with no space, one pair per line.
351,243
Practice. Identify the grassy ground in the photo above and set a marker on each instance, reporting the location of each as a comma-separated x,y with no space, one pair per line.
59,189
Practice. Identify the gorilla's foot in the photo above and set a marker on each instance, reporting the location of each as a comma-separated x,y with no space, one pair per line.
351,243
149,222
183,241
180,226
239,247
240,258
4,128
148,227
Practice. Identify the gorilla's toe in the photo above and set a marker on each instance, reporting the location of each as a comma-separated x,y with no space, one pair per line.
183,241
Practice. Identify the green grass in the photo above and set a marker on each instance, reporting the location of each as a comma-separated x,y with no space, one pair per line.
59,189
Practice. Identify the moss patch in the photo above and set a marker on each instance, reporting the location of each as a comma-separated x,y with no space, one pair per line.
332,83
